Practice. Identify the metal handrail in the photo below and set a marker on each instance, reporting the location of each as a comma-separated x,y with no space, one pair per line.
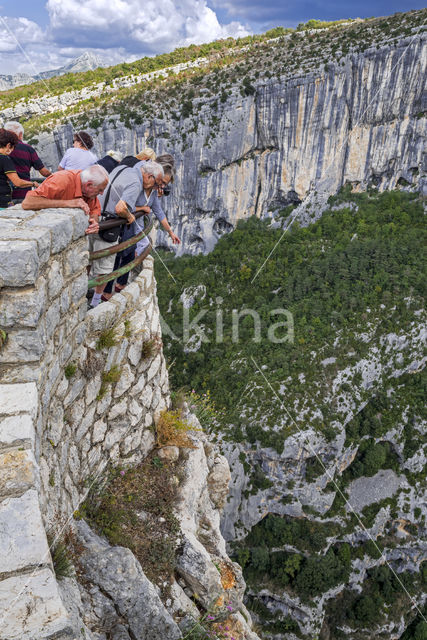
103,279
116,248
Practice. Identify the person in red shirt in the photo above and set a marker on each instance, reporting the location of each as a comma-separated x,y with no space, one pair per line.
24,157
73,190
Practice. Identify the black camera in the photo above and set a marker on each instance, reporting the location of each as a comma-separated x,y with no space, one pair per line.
166,191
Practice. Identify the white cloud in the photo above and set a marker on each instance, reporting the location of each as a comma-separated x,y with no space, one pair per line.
17,32
116,30
136,25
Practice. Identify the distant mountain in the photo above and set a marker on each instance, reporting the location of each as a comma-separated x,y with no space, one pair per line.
86,62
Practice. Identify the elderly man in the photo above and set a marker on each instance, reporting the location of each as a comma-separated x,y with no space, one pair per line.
126,186
71,190
24,157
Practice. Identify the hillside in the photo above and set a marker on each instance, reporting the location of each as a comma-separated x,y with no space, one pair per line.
325,426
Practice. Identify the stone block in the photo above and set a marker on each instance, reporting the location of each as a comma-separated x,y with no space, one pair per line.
40,236
24,345
22,307
104,403
138,385
147,274
154,367
99,431
18,471
17,431
93,386
79,288
134,353
60,227
135,411
18,398
125,381
80,224
85,424
114,435
76,388
55,279
37,610
19,263
101,317
52,318
170,453
119,301
65,299
23,540
132,293
77,257
118,409
16,212
146,396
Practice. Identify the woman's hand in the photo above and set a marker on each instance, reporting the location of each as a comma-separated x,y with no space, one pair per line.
174,238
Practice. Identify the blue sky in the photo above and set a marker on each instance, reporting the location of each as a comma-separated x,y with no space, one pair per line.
52,32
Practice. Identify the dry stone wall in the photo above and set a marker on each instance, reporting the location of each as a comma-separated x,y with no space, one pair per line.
62,418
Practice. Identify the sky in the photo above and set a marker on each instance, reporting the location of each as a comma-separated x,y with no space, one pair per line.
37,35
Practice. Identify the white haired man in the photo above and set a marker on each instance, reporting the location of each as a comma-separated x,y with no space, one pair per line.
126,186
71,190
24,157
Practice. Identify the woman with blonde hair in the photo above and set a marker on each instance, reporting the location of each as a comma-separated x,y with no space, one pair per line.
146,154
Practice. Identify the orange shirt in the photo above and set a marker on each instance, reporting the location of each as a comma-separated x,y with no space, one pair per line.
66,185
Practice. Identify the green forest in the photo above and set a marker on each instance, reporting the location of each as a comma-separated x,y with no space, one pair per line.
355,267
348,280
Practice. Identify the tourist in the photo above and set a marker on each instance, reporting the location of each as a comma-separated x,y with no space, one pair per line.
149,200
71,190
24,157
110,160
126,186
79,156
146,155
8,174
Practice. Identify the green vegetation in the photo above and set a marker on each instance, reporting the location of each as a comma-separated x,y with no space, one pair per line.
114,509
61,556
109,377
107,338
347,270
70,370
384,593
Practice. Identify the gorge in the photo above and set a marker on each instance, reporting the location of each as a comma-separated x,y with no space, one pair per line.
320,131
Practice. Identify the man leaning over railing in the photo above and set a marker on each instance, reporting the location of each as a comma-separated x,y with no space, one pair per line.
126,186
71,190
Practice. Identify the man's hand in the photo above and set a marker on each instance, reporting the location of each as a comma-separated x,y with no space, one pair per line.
174,238
78,203
130,218
93,226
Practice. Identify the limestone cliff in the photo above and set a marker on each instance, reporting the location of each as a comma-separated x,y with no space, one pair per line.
292,133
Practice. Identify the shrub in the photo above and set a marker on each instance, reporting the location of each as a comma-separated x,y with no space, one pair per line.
107,339
172,430
70,370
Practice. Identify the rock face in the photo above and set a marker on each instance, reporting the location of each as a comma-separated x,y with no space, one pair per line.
113,597
359,121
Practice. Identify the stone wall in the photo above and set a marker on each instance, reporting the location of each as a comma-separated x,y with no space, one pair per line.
61,421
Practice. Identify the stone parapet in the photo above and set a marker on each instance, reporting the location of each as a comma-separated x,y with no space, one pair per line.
79,390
